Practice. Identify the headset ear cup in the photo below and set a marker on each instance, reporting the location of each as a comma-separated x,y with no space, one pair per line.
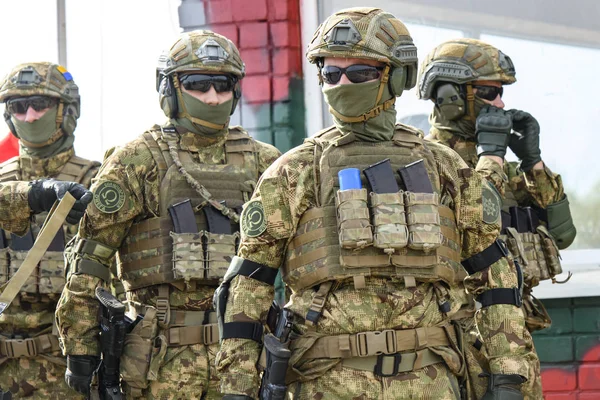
411,76
450,101
11,126
237,95
167,97
397,82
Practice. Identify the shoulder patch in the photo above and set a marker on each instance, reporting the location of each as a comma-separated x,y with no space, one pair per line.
253,219
491,202
109,197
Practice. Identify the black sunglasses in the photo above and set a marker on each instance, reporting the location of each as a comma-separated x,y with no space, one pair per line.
21,104
489,93
203,82
356,73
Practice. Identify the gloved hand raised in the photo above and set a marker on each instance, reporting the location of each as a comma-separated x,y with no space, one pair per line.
80,370
526,145
492,130
503,387
44,192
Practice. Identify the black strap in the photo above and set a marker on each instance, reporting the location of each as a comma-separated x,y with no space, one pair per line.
258,272
487,257
478,344
243,330
501,296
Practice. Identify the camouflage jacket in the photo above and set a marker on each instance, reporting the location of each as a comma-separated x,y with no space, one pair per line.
14,206
289,187
133,168
541,187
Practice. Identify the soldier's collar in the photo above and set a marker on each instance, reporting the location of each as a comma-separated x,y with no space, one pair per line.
36,167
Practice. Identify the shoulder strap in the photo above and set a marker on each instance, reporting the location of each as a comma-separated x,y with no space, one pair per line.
239,142
76,169
10,170
151,139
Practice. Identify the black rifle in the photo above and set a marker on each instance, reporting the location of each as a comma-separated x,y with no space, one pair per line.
273,385
114,325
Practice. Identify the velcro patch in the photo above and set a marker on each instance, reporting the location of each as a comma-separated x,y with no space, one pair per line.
109,197
253,219
492,204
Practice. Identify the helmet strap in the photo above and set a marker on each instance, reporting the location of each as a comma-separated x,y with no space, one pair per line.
184,114
377,109
470,102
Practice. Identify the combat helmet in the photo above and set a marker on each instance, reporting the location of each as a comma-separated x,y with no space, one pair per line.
44,79
200,50
461,62
372,34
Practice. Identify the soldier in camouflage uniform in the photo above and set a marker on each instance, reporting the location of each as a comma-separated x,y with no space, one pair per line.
172,252
465,79
18,200
372,275
42,105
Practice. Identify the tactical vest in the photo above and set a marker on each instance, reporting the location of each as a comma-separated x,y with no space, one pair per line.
354,234
153,253
49,276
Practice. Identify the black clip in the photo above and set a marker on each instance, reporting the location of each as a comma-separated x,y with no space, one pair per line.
379,365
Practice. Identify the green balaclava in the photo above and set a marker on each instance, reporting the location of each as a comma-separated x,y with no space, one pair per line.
463,126
218,115
355,99
39,132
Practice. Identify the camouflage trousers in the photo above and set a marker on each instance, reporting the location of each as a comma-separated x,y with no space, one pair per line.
434,382
186,372
35,378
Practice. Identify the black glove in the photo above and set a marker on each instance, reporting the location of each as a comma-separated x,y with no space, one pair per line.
526,146
236,397
492,130
503,387
80,370
45,192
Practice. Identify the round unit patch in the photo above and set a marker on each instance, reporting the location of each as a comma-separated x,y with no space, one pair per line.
253,219
109,197
491,202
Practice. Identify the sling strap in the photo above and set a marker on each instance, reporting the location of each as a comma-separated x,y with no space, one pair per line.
54,222
30,347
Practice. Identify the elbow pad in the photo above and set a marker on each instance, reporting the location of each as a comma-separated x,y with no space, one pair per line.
560,223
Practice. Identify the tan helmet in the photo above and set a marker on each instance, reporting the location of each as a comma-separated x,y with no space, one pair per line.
372,34
461,62
44,79
200,50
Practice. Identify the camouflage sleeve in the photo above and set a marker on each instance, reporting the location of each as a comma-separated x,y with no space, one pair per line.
540,186
121,189
267,154
493,173
284,193
14,206
477,207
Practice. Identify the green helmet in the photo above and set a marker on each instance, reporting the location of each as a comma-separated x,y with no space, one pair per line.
44,79
369,33
204,51
372,34
461,61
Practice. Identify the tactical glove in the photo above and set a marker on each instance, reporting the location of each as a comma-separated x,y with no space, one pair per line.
236,397
503,387
44,192
492,130
80,370
526,145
